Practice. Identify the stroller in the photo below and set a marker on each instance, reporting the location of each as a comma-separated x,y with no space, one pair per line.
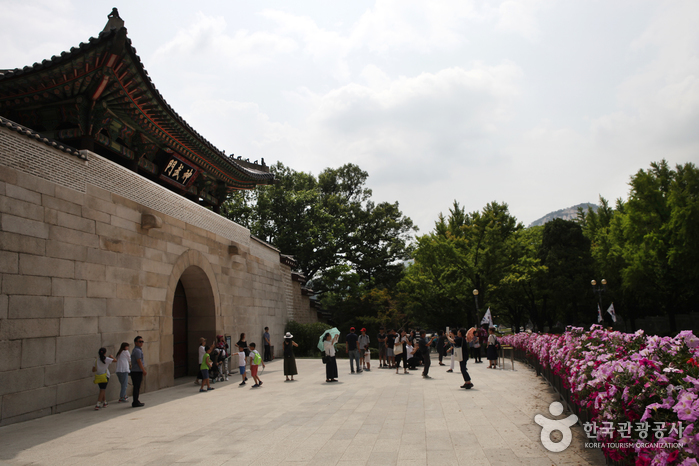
217,372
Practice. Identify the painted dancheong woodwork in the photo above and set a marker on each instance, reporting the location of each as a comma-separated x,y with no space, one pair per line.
98,96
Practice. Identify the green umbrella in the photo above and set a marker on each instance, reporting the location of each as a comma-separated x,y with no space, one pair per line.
333,331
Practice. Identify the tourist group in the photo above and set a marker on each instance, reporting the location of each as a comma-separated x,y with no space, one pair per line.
395,346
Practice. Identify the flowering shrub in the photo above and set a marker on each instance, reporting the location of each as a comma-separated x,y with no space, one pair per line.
628,378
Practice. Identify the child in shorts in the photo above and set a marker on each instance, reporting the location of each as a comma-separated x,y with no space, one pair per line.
205,365
241,364
255,361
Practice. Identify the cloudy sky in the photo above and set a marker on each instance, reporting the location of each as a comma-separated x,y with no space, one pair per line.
537,103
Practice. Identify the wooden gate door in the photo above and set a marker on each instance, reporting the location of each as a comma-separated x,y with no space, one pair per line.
179,331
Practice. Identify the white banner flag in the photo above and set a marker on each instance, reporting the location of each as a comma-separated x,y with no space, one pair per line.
612,312
487,318
599,314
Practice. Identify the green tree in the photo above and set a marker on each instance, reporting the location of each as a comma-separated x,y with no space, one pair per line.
327,223
605,229
465,251
519,293
565,251
646,247
660,223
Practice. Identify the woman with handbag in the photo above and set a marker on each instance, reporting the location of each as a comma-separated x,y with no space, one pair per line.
101,370
329,358
400,351
461,353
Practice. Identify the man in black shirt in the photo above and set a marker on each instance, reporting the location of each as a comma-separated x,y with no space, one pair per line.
423,347
352,350
381,338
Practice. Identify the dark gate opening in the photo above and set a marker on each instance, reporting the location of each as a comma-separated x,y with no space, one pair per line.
179,330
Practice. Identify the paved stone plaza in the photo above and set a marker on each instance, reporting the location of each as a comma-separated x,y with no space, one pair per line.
373,418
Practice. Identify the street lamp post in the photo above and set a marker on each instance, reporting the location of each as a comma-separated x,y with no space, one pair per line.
599,291
475,298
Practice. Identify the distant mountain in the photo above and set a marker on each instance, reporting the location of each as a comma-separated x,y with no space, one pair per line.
571,213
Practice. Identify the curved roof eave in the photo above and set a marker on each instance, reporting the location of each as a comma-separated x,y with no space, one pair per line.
219,158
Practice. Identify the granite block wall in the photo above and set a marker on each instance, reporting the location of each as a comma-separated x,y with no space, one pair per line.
81,269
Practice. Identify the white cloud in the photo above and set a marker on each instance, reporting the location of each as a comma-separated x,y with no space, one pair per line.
396,128
416,25
242,129
536,103
659,104
44,28
206,38
519,17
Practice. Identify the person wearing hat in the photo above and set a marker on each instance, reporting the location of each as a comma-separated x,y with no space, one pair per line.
363,342
353,350
289,359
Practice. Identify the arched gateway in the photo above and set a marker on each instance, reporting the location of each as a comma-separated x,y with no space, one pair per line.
92,215
193,303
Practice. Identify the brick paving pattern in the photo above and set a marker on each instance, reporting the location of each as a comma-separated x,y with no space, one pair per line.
374,418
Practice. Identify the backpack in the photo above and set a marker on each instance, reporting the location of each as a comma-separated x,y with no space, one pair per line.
257,359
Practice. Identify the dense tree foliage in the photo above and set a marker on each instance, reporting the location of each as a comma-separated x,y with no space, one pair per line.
463,253
565,252
329,224
354,252
648,245
645,248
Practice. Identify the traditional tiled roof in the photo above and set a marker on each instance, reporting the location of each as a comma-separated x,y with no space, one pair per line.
288,260
107,68
31,134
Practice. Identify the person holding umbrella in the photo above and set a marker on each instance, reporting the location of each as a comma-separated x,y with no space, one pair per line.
330,362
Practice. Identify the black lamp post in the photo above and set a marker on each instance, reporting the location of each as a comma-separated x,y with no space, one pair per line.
475,298
599,291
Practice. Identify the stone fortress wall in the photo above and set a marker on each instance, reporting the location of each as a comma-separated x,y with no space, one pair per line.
91,254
